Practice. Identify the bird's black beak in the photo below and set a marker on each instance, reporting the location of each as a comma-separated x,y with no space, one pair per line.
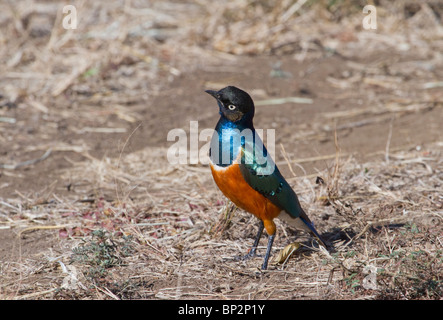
213,93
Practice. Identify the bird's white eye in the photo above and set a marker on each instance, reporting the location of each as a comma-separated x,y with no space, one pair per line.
231,107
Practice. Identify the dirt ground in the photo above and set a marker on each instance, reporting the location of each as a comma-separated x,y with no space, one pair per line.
84,119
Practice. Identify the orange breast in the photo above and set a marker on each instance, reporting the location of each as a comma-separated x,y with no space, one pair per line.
231,183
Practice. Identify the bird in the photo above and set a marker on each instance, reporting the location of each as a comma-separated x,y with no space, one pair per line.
247,175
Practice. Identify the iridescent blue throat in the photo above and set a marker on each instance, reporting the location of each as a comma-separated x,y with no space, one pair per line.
228,138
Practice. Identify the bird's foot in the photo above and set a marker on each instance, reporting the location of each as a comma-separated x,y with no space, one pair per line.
251,254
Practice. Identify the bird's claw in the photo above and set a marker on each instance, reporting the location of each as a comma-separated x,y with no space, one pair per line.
251,254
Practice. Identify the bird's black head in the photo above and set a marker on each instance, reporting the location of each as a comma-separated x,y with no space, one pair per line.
235,104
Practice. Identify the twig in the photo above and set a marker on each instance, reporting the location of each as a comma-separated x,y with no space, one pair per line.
37,105
337,157
69,79
149,60
293,9
379,223
8,120
35,294
42,228
102,130
283,100
431,85
287,160
356,124
10,206
108,293
388,143
312,159
26,163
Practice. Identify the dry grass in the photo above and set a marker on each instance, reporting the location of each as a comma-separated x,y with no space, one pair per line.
138,227
385,228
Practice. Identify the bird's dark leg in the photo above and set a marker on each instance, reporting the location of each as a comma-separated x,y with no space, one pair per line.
253,251
268,252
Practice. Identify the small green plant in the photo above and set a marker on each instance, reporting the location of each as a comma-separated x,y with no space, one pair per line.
102,252
352,282
90,72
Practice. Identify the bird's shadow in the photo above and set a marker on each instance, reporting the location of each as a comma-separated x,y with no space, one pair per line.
348,236
343,237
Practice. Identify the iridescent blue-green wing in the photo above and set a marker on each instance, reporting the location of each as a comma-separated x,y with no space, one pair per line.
261,173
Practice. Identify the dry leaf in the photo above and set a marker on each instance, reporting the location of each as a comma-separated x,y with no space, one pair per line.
286,253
